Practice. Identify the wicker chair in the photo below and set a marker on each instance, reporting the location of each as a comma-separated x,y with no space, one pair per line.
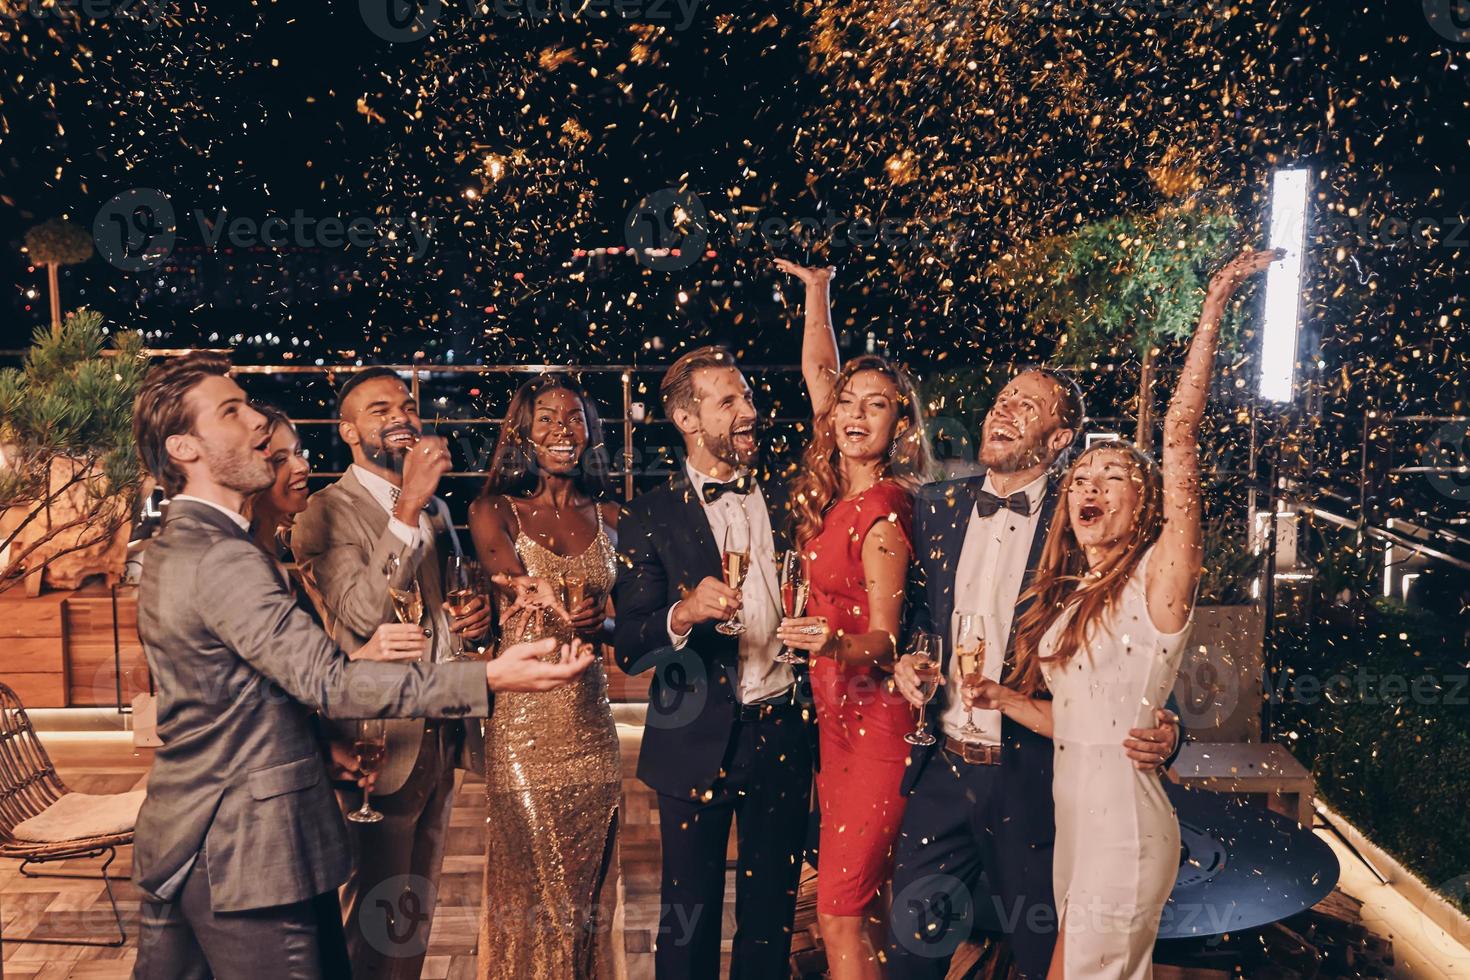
28,785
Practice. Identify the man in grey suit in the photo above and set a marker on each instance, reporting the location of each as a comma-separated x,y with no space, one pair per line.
239,846
384,509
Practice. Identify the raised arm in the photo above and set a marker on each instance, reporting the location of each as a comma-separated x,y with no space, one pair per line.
1175,569
819,361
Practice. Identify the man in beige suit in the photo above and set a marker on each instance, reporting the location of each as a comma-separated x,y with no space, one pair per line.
384,508
239,846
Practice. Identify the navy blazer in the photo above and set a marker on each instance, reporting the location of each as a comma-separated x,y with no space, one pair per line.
667,548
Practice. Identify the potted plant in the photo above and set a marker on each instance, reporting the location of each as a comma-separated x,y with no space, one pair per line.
53,244
70,470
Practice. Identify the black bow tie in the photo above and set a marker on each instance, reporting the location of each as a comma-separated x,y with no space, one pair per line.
987,503
740,485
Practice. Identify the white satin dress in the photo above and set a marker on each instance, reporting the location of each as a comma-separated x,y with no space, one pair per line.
1117,844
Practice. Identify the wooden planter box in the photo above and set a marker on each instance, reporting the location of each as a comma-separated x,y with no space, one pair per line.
1220,683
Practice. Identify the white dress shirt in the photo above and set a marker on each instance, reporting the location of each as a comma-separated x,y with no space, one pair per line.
386,494
234,515
987,582
761,675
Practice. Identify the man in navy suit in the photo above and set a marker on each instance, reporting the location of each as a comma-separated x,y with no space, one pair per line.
728,737
980,799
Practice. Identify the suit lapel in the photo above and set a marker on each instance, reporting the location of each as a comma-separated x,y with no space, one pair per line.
705,551
1033,557
947,541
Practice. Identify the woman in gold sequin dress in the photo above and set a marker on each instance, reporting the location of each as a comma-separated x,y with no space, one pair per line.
553,772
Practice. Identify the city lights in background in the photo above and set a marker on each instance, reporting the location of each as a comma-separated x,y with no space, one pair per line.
1284,285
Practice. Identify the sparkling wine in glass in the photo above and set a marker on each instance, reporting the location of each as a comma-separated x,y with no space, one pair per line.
925,649
969,643
735,563
794,591
461,587
403,589
370,744
574,589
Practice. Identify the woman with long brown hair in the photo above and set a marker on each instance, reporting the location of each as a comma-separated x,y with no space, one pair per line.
853,510
552,767
1098,647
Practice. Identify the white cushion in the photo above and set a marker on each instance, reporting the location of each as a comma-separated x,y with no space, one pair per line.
78,815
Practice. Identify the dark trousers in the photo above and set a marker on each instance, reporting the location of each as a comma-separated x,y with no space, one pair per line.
945,843
186,940
389,897
766,791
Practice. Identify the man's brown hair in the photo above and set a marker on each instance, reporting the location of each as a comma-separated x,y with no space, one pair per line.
160,411
677,388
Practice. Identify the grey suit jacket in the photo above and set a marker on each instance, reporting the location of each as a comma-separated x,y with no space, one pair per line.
240,668
342,542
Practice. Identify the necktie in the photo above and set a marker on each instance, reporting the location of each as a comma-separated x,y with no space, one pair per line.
987,503
741,485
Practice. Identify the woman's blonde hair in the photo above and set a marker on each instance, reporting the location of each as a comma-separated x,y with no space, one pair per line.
909,460
1063,581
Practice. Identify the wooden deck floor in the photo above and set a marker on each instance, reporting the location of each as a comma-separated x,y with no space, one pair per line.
107,763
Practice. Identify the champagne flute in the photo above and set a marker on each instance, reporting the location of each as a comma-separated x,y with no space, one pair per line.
461,587
735,564
969,645
794,592
925,649
370,744
403,589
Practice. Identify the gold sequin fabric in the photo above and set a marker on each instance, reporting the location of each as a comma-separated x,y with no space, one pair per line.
553,776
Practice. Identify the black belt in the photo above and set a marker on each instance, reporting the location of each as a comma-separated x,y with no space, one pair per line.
761,710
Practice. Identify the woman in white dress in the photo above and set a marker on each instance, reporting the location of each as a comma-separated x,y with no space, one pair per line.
1097,650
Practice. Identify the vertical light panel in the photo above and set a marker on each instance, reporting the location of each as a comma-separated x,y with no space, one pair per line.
1284,285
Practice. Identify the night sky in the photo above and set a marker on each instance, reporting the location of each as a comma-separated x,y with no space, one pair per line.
520,140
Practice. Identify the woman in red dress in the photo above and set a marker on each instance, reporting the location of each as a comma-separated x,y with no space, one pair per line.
853,504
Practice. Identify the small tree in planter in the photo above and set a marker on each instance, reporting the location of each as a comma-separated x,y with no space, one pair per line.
1135,280
56,243
70,470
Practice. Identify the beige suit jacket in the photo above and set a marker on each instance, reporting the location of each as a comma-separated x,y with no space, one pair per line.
342,543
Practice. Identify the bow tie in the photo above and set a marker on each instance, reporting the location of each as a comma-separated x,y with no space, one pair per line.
987,503
740,485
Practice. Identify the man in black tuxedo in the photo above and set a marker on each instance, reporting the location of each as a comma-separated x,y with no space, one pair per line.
727,736
980,800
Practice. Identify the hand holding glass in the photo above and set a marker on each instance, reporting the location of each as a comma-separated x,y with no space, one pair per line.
924,648
371,744
969,645
794,591
735,564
